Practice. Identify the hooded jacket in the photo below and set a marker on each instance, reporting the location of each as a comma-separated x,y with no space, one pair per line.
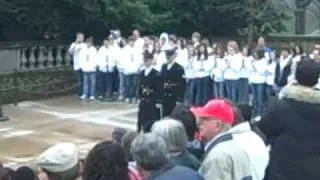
243,157
291,126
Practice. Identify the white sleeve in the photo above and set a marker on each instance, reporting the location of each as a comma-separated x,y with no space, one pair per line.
71,48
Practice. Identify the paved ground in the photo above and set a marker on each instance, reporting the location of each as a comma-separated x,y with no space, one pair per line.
36,125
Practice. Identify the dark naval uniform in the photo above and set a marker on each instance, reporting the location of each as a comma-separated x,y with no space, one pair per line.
173,87
149,94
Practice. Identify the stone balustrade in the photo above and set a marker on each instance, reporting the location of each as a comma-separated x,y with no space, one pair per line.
40,57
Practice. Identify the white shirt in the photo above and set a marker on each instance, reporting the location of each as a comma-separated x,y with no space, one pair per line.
147,70
75,50
131,60
182,57
169,66
202,67
138,44
106,60
258,71
219,69
235,63
245,68
88,59
188,69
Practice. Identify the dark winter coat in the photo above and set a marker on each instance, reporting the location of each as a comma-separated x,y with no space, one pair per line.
292,128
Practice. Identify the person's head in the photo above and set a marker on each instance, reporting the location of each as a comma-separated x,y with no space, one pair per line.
183,114
60,162
106,42
89,41
173,133
182,43
117,134
170,54
25,173
299,49
285,52
233,47
206,42
150,152
203,51
307,73
147,58
157,47
216,117
106,161
131,41
273,56
293,51
220,51
126,143
80,37
196,37
191,49
136,34
261,41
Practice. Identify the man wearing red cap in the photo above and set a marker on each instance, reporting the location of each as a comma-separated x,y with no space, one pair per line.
232,152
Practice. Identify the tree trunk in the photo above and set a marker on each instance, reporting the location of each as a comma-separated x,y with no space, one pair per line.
251,23
300,16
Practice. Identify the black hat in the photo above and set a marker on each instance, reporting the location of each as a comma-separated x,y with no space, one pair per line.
307,73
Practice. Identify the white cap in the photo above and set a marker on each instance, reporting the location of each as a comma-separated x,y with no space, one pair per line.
59,158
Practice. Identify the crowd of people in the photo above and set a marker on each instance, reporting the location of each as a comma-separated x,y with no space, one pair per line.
196,120
200,70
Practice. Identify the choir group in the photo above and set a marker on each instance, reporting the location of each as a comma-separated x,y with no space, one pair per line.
161,71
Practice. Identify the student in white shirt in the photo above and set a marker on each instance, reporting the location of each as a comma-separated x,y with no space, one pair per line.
132,62
202,66
218,72
89,64
138,41
243,96
106,68
189,75
75,50
159,57
118,75
257,80
232,73
182,52
270,75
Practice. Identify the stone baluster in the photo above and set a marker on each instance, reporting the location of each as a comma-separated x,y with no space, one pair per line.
36,55
50,57
63,53
45,56
23,58
32,58
54,51
27,53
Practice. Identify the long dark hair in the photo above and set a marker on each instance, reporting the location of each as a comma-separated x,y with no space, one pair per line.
106,161
205,51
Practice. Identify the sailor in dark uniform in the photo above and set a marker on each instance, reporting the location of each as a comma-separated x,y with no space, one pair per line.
173,83
148,94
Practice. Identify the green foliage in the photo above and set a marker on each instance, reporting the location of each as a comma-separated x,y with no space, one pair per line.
60,19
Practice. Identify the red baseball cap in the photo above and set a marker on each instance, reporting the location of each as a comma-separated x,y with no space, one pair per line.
216,108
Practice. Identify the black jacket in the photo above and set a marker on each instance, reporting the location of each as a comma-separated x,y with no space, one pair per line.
292,128
281,77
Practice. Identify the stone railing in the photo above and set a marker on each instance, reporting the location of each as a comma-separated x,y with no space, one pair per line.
33,70
34,56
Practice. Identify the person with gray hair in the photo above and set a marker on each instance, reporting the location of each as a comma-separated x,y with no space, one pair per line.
174,134
150,153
